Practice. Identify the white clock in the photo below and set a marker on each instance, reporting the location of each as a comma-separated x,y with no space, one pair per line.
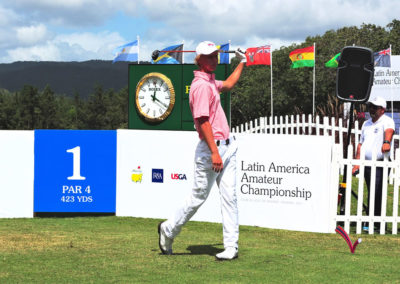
155,97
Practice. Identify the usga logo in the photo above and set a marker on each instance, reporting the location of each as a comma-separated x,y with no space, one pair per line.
178,176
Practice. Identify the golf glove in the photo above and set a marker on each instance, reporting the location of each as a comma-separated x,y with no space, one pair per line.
241,55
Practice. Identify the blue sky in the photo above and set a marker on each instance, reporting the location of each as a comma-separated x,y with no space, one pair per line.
79,30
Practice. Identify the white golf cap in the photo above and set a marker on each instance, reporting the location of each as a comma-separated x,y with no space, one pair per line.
206,48
378,101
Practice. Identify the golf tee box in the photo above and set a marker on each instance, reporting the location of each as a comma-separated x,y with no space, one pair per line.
159,96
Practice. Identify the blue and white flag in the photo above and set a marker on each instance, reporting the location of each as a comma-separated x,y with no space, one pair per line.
127,52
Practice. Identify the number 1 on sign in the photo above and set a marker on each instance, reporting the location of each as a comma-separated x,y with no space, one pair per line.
76,174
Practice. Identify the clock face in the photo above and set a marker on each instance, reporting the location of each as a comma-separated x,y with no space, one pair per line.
155,97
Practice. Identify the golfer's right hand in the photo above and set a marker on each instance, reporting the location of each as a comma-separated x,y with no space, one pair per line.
241,55
217,164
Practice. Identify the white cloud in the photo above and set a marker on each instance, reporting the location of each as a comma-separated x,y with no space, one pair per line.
71,47
285,19
90,41
31,34
80,30
45,52
69,13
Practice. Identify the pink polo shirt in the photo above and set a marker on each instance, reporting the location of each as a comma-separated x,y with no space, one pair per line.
204,100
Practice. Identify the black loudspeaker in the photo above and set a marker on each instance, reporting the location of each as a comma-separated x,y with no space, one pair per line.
355,74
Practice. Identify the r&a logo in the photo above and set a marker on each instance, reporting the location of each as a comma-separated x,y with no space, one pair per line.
157,175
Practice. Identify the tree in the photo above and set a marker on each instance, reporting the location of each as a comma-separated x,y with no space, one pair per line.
47,104
96,110
28,109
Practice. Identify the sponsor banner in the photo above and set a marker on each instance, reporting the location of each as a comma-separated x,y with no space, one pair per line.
286,189
387,81
75,171
283,182
16,174
155,174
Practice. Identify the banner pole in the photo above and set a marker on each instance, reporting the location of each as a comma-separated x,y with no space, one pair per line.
272,100
314,82
391,85
138,49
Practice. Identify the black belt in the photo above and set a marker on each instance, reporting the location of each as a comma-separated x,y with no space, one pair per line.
226,142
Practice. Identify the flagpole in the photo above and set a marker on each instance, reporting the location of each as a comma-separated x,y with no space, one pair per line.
183,54
229,46
272,101
138,49
391,85
314,82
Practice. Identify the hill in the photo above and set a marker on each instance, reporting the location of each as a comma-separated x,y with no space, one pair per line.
65,78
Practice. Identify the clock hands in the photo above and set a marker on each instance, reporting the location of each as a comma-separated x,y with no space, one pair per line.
162,103
154,98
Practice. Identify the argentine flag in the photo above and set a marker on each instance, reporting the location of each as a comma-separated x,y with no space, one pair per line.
127,52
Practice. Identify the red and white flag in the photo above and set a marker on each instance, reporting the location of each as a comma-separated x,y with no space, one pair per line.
259,55
385,52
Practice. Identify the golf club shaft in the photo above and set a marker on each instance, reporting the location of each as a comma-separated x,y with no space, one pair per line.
156,53
223,51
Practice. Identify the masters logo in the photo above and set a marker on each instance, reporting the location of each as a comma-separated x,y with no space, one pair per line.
137,175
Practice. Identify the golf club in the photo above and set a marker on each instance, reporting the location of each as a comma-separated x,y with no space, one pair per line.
156,53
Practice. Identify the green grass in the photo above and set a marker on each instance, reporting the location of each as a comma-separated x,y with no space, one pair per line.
125,250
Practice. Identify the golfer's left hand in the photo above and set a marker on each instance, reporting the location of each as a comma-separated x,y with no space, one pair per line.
241,55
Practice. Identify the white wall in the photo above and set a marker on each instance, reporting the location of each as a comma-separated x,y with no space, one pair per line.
284,182
173,151
16,173
305,201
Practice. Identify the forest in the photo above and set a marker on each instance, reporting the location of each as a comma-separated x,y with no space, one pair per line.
31,108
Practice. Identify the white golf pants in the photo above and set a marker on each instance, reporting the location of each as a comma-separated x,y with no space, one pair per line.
204,178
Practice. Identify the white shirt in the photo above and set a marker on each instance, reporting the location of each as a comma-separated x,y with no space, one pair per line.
373,135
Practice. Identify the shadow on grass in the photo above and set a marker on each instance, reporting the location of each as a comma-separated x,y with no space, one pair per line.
202,250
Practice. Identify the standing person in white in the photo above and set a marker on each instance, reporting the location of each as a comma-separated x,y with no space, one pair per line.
376,137
215,157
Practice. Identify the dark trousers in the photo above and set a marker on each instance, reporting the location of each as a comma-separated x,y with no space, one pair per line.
378,188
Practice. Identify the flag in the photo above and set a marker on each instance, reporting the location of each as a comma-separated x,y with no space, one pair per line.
170,57
303,57
223,58
127,52
333,63
382,58
258,55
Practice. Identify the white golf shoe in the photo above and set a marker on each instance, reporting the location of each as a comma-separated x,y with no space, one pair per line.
164,242
228,254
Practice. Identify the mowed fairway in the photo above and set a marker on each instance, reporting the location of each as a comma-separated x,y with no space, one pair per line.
125,250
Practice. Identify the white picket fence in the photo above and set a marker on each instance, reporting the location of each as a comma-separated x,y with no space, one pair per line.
337,130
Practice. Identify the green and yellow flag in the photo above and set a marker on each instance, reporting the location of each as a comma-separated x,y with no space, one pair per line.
333,63
303,57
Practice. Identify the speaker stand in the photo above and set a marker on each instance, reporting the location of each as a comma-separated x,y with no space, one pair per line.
343,185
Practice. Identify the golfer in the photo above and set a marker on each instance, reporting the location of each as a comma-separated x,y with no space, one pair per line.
215,156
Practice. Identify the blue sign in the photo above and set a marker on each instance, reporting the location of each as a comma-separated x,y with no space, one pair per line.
75,171
157,175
